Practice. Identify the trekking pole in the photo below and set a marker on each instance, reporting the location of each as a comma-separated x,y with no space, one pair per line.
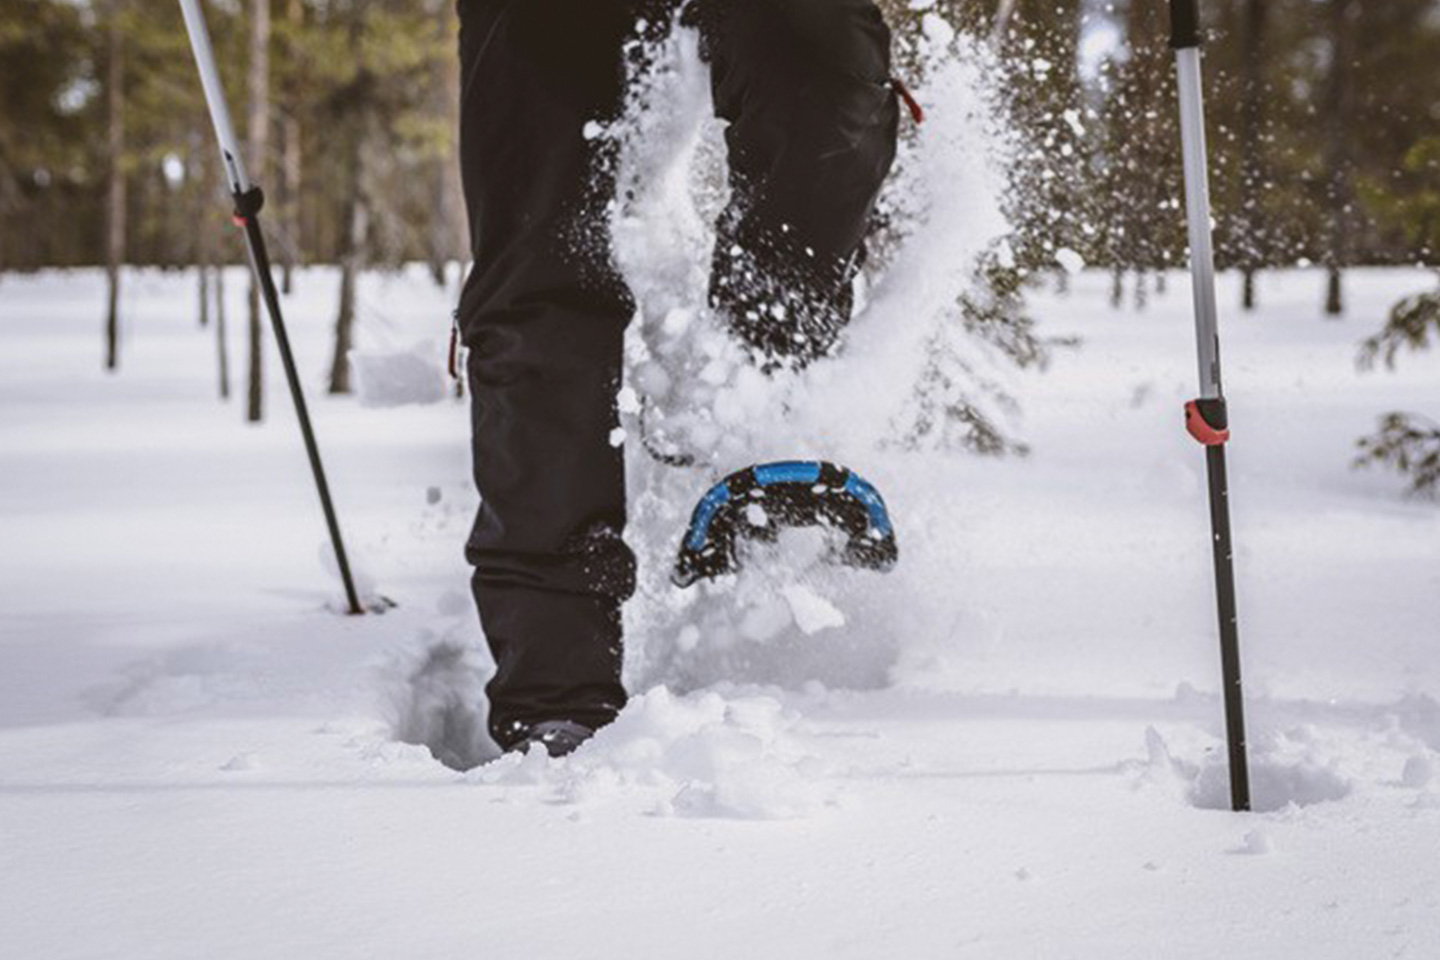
1206,418
248,201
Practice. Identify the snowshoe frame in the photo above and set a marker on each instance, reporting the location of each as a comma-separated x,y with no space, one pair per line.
790,493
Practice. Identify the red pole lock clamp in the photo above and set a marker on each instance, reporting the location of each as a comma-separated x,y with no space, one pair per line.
1207,421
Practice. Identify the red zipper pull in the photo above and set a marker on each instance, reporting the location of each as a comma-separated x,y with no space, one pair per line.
917,112
455,345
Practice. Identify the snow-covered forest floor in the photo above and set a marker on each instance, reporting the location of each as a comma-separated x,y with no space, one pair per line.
1012,750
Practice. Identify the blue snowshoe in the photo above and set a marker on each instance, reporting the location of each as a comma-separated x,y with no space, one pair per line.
758,502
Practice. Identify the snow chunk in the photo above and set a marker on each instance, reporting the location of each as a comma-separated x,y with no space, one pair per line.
1257,843
695,756
677,321
627,401
239,763
937,30
811,611
1069,260
1005,255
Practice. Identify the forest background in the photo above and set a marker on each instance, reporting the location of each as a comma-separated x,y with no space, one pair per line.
1324,125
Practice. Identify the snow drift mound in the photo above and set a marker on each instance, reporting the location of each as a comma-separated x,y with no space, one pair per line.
1283,772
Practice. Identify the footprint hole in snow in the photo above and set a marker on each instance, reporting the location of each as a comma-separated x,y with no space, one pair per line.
436,699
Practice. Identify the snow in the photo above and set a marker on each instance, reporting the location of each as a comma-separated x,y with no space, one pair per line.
1009,746
394,378
199,756
1069,260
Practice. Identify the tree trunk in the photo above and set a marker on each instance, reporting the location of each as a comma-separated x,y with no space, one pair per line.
449,233
115,195
1334,291
357,225
1337,114
204,269
8,194
1252,163
222,349
291,250
202,182
290,212
259,124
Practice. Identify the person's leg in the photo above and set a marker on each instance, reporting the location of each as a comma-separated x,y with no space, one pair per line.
543,315
805,86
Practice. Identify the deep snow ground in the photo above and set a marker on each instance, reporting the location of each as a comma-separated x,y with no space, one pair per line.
198,758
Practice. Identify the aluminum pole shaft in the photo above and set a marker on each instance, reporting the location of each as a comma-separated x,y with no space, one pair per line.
1197,205
235,175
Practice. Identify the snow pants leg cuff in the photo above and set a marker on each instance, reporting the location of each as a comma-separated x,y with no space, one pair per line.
557,656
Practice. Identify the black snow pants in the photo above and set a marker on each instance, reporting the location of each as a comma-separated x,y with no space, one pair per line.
804,85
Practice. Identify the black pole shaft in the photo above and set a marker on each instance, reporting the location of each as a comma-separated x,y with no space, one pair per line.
1184,24
1229,627
260,263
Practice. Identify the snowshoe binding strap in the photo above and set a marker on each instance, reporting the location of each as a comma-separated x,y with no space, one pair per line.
758,502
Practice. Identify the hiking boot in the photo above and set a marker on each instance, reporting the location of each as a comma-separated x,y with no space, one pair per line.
560,738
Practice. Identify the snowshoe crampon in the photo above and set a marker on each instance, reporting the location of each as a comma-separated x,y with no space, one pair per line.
758,502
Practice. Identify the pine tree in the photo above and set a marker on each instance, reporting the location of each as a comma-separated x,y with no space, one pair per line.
1410,442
